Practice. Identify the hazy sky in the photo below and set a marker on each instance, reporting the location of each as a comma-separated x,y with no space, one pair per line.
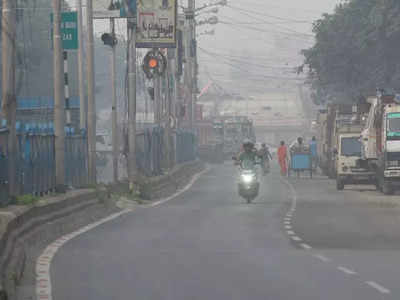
269,32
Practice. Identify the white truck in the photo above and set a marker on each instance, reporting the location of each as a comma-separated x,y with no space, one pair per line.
349,170
381,140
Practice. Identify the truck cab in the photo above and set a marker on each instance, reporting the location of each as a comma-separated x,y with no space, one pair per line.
349,169
389,158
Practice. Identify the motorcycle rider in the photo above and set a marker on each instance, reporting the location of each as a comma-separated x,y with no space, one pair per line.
247,158
265,156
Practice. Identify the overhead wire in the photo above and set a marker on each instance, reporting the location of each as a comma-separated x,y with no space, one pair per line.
244,70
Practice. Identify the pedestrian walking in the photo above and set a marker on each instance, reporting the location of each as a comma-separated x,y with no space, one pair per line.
282,158
314,153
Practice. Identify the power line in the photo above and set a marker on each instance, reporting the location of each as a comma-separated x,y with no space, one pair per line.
247,71
266,15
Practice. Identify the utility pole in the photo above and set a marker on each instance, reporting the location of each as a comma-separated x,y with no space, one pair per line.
9,105
91,122
157,99
82,102
190,62
114,105
59,98
132,104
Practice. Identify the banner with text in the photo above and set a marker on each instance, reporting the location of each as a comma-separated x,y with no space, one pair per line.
156,23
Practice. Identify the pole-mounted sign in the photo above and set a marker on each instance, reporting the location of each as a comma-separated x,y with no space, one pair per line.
69,30
156,24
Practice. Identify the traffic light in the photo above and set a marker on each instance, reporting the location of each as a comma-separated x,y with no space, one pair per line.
154,64
109,40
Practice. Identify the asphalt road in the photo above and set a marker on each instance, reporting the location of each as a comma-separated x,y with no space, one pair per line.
208,244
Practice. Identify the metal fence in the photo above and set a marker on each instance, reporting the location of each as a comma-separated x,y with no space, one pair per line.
4,199
35,163
150,151
186,146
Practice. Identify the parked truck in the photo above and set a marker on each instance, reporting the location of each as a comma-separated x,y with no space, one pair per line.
381,140
330,121
349,166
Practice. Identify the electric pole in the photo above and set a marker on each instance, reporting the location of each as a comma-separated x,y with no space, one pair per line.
91,122
157,99
9,105
189,29
114,104
132,104
82,102
59,98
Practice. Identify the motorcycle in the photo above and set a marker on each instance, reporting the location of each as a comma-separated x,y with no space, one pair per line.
248,185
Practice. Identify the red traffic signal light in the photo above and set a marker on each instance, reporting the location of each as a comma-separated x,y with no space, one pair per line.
154,63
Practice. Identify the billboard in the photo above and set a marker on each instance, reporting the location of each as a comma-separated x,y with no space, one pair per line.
102,9
156,23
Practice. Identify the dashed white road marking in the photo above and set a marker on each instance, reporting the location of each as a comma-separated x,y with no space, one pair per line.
305,246
346,270
43,281
288,227
378,287
290,232
296,238
286,222
322,257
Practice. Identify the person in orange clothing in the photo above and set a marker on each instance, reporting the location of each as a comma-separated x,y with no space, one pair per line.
282,158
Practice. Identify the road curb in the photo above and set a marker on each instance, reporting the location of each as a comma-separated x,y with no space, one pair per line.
17,223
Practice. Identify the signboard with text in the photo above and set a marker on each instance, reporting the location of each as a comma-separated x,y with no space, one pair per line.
69,30
121,9
156,23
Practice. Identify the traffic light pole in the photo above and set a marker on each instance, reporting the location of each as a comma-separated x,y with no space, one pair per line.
9,105
132,105
59,112
91,122
115,149
82,105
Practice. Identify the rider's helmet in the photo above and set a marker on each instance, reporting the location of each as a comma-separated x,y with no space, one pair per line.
248,145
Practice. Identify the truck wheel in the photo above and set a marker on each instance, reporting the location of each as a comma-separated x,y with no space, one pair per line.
387,189
339,184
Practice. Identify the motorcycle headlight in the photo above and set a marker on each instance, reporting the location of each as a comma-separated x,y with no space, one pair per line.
247,178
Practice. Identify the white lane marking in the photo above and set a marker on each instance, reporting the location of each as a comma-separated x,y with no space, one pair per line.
322,257
43,281
296,238
287,219
294,194
378,287
290,232
346,270
288,227
306,247
188,186
286,222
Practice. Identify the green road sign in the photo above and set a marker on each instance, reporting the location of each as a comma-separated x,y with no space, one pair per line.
69,30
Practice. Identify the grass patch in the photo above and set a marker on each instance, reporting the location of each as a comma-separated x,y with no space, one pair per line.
27,199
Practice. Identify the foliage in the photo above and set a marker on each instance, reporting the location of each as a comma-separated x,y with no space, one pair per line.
355,50
27,199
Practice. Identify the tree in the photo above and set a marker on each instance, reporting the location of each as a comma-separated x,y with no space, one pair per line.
355,50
